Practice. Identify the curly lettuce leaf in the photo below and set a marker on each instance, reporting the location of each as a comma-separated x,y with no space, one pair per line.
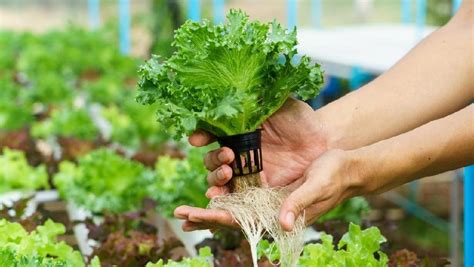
67,122
180,182
204,259
227,79
17,174
356,248
39,248
104,181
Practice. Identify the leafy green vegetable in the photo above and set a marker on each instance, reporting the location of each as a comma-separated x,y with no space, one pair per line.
204,259
17,174
123,129
20,248
67,122
180,181
9,258
227,79
16,110
349,211
356,248
104,181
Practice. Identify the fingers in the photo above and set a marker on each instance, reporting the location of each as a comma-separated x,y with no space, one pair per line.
214,191
220,176
295,203
216,158
200,138
198,218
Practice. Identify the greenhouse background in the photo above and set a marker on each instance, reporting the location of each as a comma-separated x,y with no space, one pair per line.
70,129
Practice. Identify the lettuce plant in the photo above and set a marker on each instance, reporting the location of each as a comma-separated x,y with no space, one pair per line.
67,122
38,248
356,248
17,174
204,259
180,182
104,181
227,79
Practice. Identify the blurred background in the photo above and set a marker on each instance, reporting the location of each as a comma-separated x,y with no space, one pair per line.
354,40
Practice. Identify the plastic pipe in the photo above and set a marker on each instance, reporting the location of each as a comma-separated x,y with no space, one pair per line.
194,10
124,26
316,13
406,11
292,14
93,7
218,11
420,18
469,216
456,5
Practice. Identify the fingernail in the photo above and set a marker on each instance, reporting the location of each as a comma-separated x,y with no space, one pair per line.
290,219
222,157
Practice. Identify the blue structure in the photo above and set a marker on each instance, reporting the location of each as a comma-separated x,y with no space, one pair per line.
124,26
316,13
469,216
218,11
456,5
93,7
406,11
292,14
194,10
420,18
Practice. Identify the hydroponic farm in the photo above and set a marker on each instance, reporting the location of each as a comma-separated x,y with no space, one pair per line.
236,133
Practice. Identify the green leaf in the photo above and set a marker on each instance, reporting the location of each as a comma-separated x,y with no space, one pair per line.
17,174
228,78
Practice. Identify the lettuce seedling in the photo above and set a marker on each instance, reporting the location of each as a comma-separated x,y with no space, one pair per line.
227,79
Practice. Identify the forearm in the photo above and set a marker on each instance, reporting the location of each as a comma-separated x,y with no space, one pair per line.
433,80
435,147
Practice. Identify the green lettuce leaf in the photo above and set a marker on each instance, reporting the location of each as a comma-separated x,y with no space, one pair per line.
104,181
17,174
204,259
38,248
227,79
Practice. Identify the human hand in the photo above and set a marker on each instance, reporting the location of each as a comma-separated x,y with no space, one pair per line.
291,139
331,179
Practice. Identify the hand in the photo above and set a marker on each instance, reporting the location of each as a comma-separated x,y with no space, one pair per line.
291,140
329,180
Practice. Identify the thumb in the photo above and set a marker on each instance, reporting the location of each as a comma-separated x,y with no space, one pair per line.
295,204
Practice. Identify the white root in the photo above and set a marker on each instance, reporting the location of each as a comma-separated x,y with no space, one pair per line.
256,210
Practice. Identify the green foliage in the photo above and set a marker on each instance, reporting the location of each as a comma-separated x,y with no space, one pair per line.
104,181
204,259
16,111
349,211
17,174
227,79
67,122
166,18
38,248
356,248
181,181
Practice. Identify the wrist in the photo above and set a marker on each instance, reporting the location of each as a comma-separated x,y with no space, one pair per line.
332,129
360,169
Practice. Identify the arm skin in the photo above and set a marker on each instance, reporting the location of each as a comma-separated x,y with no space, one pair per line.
433,80
435,147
